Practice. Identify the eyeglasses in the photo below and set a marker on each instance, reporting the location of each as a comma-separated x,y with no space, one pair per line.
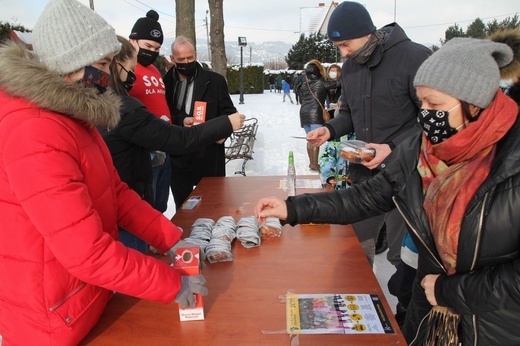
130,78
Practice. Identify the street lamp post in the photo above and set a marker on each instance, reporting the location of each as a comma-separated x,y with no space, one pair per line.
242,42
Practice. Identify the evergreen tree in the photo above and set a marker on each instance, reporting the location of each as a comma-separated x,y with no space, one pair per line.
477,29
453,31
6,28
316,46
508,23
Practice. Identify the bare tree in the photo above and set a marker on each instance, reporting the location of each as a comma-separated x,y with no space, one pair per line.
185,23
218,48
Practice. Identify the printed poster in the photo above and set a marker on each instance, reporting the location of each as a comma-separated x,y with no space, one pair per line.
336,314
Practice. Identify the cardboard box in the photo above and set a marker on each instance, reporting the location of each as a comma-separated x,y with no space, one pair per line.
187,261
199,112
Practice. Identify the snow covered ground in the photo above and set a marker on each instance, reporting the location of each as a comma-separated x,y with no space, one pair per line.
277,122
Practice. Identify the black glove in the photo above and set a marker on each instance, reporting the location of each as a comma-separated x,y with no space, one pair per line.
189,286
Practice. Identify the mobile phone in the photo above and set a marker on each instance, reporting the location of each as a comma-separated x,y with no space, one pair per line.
191,202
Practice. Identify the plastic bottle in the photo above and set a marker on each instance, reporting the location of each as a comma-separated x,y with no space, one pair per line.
291,176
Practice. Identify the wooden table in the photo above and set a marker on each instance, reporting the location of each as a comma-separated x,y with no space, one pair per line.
244,294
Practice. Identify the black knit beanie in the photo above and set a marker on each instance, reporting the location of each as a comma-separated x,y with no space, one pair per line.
148,28
348,21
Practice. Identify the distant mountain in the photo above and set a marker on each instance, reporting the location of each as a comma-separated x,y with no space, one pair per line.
267,52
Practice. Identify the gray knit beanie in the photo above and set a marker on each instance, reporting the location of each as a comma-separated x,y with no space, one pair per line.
69,35
466,68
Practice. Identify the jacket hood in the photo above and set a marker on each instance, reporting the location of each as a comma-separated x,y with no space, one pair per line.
23,76
395,34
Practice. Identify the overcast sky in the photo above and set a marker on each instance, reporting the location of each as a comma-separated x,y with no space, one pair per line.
425,21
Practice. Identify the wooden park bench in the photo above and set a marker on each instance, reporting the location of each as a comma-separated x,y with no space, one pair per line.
241,143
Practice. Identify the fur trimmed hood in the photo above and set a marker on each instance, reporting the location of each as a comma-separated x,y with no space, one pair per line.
511,37
22,75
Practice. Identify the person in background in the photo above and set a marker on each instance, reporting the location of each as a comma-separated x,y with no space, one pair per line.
299,79
186,82
62,199
286,87
140,132
457,184
312,99
272,83
279,79
379,104
333,94
335,170
147,38
401,282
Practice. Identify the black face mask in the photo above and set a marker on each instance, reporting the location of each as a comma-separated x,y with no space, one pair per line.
187,69
130,78
436,125
146,57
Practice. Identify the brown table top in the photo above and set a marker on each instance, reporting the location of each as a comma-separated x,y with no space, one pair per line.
244,294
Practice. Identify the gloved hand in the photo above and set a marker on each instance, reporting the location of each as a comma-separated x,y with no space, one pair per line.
182,243
189,286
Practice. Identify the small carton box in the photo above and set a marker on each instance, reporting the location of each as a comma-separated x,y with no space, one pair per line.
187,261
199,112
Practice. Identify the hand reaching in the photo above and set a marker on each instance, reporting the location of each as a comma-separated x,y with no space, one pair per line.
319,136
270,207
237,120
188,122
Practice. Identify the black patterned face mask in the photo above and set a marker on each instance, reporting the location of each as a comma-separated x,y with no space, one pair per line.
96,78
436,125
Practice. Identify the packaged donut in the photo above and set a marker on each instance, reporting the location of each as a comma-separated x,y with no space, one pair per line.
355,151
271,228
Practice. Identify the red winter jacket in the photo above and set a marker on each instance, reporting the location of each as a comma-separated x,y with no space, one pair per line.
61,200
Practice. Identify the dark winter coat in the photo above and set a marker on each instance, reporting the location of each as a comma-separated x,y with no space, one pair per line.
139,132
312,99
334,93
485,291
211,88
298,82
379,102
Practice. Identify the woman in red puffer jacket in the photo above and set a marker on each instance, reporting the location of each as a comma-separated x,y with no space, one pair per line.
61,198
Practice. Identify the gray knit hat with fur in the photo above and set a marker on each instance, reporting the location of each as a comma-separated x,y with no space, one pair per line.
69,35
466,68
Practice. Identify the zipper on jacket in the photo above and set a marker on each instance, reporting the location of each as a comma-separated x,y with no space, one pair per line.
477,245
417,234
418,329
61,302
479,233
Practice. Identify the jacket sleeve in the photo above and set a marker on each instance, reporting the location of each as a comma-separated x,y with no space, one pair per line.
359,202
57,203
142,128
138,217
483,290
